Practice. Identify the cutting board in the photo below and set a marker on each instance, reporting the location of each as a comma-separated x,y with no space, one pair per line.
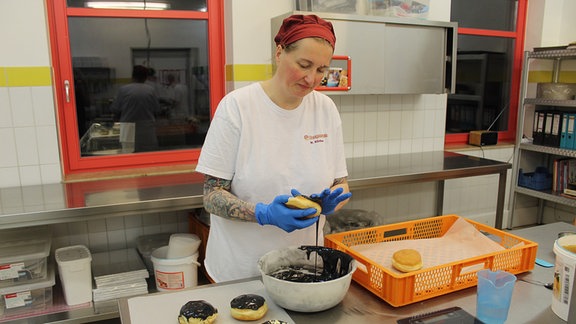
165,307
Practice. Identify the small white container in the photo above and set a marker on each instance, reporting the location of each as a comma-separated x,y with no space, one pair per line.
172,274
75,273
564,272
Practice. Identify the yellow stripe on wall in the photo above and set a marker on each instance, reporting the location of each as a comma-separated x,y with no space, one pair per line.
2,77
248,72
546,76
26,76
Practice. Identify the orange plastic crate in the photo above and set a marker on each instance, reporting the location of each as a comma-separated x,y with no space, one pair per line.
403,289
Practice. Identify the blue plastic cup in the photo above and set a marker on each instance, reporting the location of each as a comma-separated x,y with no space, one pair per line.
494,295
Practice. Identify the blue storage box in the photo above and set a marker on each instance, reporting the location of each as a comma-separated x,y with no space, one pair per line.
540,179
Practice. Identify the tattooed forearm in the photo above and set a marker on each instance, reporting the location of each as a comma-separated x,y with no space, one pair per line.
218,200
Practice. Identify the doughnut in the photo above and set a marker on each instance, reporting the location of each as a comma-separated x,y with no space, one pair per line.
275,322
407,260
248,307
197,312
304,202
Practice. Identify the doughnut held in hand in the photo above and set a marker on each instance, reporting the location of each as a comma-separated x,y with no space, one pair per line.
303,202
248,307
407,260
197,312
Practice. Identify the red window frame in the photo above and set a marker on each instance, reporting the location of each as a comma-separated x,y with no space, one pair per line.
518,35
72,162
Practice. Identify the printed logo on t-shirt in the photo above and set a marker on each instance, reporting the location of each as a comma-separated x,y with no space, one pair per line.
314,139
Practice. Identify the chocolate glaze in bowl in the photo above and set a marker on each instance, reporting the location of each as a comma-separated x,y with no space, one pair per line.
306,291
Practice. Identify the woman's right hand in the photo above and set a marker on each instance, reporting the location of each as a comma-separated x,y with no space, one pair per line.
288,219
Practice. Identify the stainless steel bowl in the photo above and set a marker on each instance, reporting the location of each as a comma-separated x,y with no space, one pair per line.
306,296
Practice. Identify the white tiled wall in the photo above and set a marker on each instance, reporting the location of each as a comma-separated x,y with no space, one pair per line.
29,146
392,124
118,232
395,124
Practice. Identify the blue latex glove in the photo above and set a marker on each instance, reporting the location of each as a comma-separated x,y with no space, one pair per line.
328,199
288,219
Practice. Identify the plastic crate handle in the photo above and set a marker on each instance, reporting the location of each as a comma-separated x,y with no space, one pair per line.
473,266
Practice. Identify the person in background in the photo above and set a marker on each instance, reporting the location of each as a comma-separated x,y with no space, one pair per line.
152,80
266,142
178,97
137,105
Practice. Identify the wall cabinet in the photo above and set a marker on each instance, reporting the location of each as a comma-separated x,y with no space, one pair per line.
528,155
393,55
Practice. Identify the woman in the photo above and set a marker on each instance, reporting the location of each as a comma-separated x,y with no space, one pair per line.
268,140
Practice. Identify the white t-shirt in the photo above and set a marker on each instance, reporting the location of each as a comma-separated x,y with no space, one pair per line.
266,151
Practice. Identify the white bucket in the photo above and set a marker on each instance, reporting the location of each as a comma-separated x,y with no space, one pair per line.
174,274
563,276
75,273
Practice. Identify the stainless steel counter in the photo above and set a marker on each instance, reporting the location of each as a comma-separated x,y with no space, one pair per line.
530,302
80,201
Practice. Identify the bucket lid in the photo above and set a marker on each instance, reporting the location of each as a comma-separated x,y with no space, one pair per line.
561,244
159,256
72,254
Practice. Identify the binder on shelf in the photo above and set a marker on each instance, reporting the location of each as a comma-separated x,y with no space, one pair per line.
548,122
571,128
538,131
554,139
564,133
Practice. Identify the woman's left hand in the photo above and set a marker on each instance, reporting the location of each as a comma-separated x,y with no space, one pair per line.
329,199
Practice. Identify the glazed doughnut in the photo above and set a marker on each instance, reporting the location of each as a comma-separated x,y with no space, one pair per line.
407,260
304,202
249,307
197,312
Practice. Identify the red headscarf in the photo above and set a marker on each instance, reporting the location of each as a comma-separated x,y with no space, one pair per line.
296,27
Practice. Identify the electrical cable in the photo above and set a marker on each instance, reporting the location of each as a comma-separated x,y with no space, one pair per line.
497,117
148,37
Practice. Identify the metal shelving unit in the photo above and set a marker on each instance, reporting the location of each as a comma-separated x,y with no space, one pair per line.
557,56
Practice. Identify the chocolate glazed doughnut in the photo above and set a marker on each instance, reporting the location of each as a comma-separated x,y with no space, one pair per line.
248,307
197,312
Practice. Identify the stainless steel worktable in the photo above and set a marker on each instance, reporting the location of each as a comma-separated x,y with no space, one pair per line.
80,201
386,170
530,302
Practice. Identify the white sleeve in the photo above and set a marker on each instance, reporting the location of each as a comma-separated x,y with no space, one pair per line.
220,149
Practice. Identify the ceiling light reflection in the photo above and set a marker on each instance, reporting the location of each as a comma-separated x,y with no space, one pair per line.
127,5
